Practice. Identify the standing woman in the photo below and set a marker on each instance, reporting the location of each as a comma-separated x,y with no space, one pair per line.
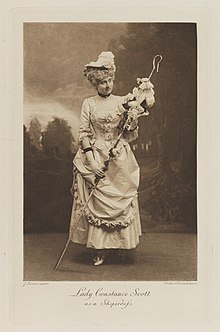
111,220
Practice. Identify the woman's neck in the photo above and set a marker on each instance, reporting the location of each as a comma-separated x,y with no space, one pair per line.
104,96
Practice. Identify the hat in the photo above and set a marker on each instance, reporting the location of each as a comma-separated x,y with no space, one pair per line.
105,61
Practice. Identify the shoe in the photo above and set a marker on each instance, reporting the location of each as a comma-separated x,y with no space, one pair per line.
98,260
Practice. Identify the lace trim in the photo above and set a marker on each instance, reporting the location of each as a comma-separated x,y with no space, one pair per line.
98,222
105,224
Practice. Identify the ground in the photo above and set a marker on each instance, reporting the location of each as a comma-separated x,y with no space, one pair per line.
159,257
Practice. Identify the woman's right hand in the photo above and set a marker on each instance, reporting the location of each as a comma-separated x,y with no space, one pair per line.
96,168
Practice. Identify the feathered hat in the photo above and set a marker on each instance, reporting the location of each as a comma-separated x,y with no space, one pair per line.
105,61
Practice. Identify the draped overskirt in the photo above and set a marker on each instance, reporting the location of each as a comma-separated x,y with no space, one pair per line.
111,219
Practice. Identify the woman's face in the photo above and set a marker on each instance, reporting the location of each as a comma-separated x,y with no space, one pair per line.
105,86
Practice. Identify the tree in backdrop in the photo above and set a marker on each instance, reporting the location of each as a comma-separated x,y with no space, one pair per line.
172,123
48,179
35,133
57,139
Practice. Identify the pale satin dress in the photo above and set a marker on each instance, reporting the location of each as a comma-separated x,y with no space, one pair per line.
111,219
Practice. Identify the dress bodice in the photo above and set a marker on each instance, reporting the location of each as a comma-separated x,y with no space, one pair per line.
105,116
100,118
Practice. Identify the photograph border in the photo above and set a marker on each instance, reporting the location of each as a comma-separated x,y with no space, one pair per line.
30,298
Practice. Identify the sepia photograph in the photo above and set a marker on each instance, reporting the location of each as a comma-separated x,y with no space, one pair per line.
110,186
110,151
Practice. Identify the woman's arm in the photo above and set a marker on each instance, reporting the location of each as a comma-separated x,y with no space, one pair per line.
85,134
95,166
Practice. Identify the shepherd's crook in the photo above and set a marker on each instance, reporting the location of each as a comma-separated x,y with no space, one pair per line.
154,65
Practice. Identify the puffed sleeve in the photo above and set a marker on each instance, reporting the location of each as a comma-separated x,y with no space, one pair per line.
85,129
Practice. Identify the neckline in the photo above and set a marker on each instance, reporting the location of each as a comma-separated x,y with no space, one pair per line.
95,100
104,96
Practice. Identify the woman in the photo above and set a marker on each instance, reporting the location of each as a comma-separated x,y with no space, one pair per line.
111,218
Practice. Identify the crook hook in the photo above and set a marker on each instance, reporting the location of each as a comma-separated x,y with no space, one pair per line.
155,66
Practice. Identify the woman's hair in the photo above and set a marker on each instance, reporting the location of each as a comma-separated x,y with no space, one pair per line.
96,75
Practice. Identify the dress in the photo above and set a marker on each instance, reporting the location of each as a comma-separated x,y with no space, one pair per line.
111,219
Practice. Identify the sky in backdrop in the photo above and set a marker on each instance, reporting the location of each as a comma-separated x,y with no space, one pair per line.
54,58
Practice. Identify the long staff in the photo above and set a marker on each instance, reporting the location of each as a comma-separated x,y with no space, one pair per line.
111,155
